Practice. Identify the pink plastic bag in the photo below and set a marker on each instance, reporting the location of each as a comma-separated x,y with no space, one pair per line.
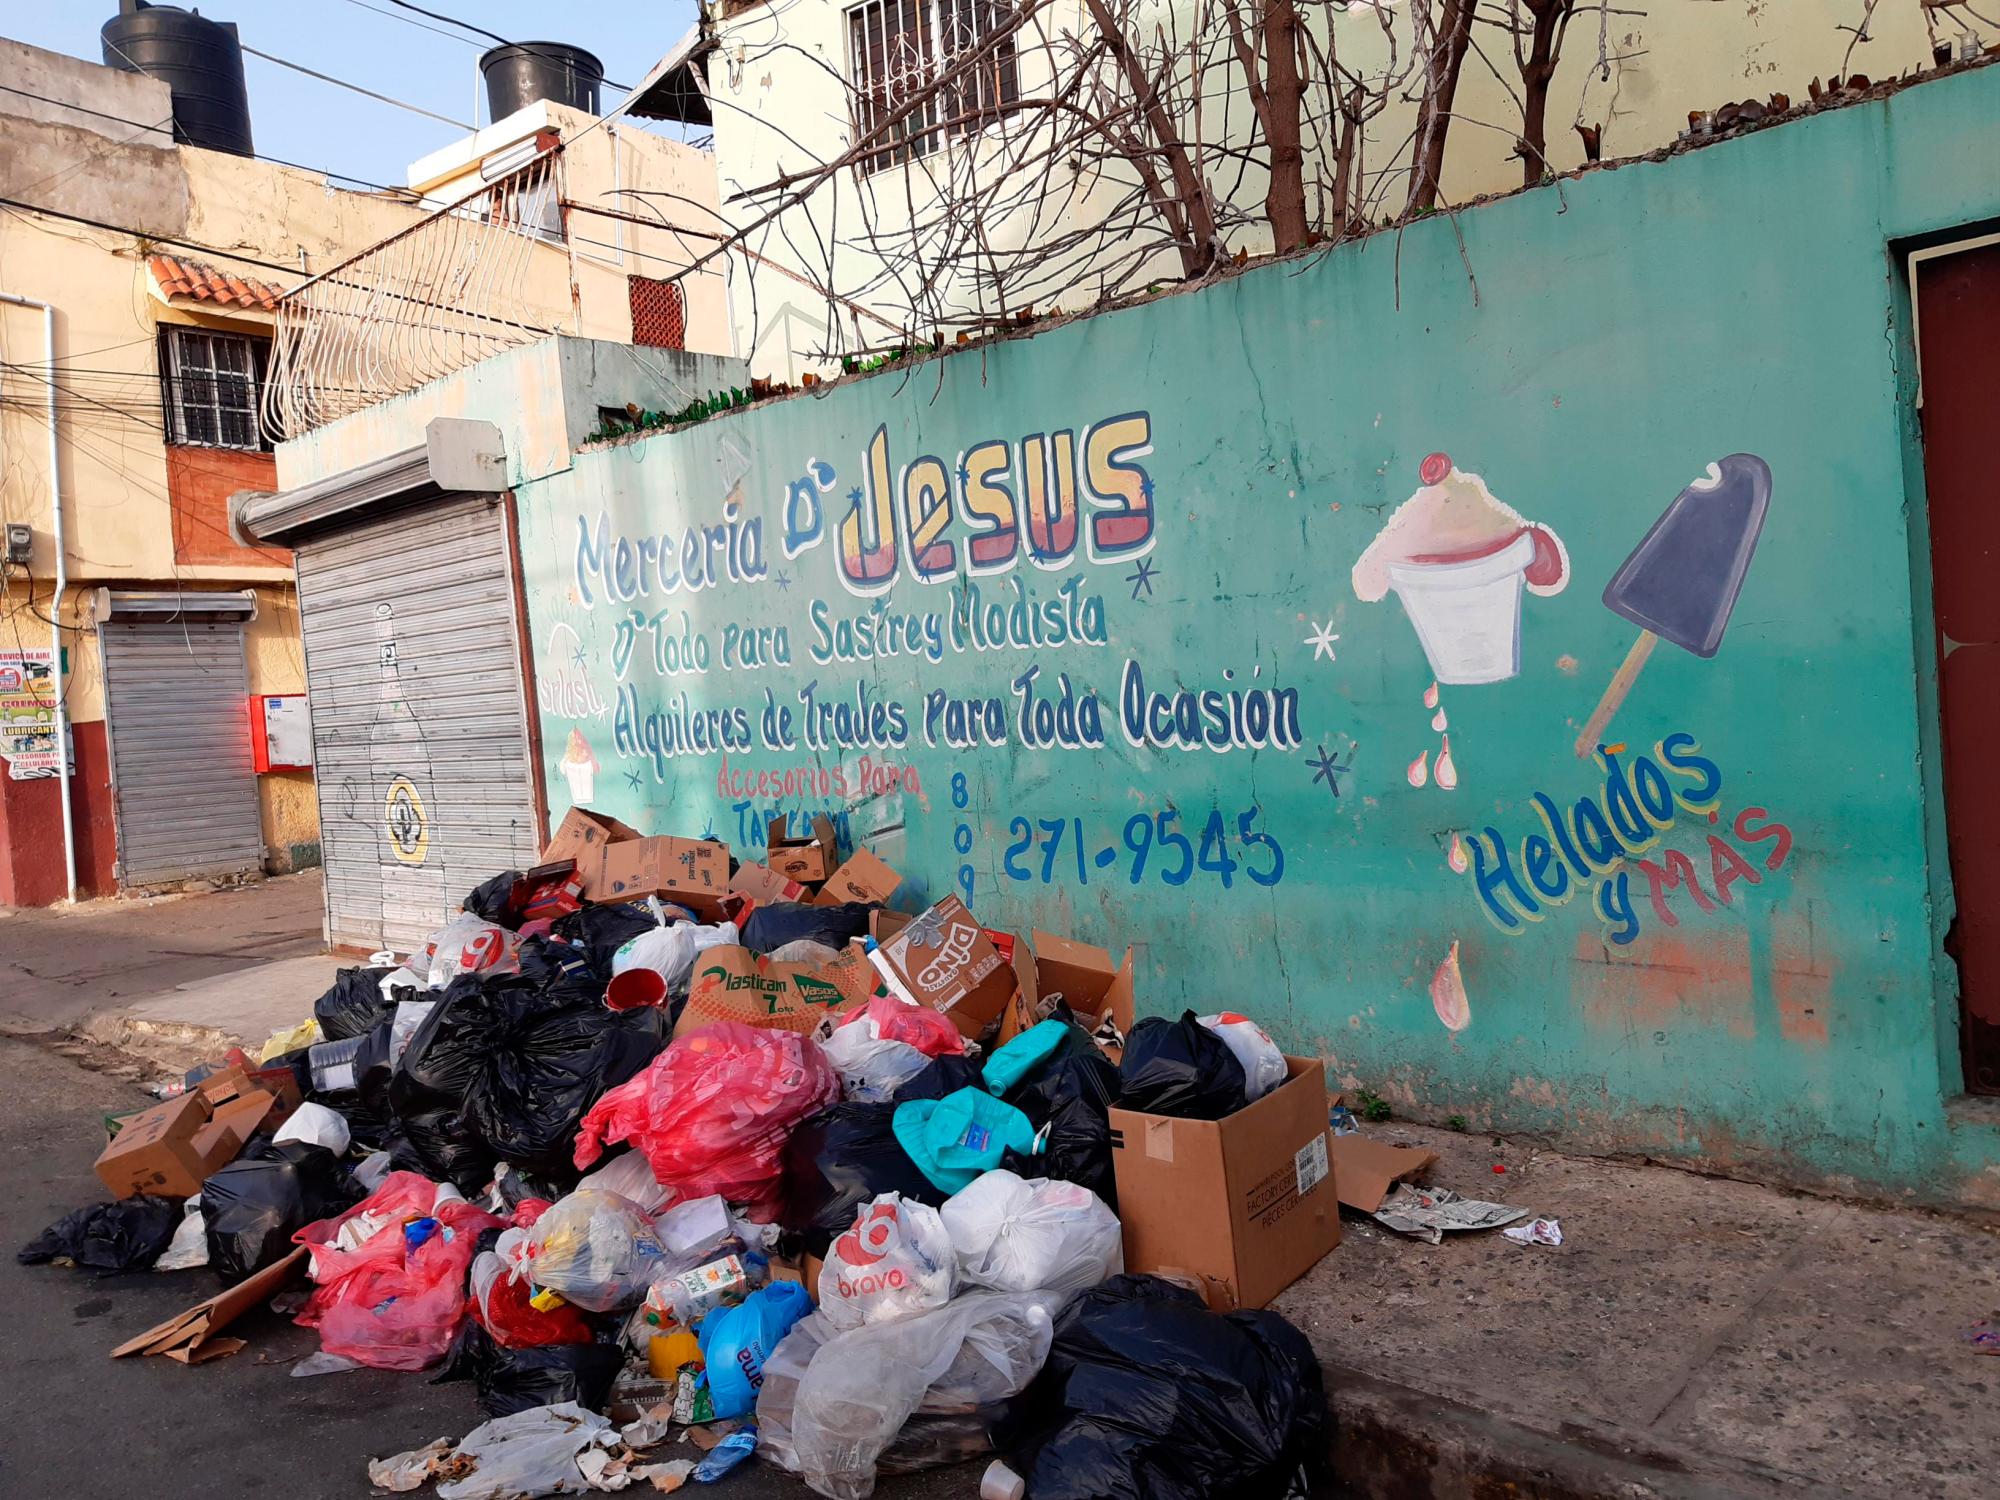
914,1025
383,1303
711,1113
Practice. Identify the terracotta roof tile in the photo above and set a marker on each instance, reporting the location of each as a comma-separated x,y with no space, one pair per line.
190,280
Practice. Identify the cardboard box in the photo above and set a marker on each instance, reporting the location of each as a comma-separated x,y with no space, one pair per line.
810,859
582,836
1364,1170
688,872
165,1150
863,878
764,885
1241,1206
733,984
1082,975
946,961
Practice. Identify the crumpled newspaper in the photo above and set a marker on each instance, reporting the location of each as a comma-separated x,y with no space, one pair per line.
1535,1232
1427,1213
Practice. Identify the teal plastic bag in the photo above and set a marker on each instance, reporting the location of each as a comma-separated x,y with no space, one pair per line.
953,1139
735,1342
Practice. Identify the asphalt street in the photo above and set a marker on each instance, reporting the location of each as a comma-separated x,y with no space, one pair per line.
77,1424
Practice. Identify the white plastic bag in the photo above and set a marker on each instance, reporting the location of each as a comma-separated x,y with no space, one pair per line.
316,1125
832,1422
1263,1063
870,1068
630,1175
468,945
896,1260
597,1249
1021,1236
670,950
189,1246
410,1014
532,1452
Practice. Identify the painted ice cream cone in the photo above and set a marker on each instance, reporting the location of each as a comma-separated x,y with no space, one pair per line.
579,768
1460,561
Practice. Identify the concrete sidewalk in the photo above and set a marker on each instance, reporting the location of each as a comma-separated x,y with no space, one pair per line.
174,978
1692,1336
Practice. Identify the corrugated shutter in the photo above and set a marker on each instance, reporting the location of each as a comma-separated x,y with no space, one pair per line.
177,702
421,759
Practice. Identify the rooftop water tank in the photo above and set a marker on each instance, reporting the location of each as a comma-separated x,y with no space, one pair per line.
516,76
199,60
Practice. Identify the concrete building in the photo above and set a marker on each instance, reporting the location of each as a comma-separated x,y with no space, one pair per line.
167,310
790,87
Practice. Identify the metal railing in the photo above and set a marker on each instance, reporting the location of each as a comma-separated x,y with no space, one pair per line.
484,274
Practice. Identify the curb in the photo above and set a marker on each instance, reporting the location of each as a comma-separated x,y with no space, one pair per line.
173,1046
1392,1442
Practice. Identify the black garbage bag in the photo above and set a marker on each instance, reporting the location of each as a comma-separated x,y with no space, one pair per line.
839,1159
444,1146
492,900
511,1380
943,1076
351,1077
444,1053
1146,1393
553,1050
785,922
353,1005
1072,1097
1180,1068
253,1207
128,1235
600,931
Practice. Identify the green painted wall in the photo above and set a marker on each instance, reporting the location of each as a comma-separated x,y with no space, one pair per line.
1625,330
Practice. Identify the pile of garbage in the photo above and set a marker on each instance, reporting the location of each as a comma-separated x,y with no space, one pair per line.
653,1147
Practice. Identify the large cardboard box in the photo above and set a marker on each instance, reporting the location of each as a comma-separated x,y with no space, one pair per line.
863,878
169,1150
764,885
808,860
1241,1206
582,836
688,872
946,961
733,984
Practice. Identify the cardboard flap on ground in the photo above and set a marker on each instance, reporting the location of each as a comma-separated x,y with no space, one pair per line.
1241,1206
582,836
693,873
731,983
1364,1170
809,859
946,961
863,878
190,1336
764,885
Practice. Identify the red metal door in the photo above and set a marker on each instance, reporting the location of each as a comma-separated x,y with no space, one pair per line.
1958,304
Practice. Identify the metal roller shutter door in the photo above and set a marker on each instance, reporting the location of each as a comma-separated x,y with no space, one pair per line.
177,702
421,759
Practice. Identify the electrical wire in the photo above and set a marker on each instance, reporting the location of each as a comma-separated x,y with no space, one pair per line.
527,47
357,88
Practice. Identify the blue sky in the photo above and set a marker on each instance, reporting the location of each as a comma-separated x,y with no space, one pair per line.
316,124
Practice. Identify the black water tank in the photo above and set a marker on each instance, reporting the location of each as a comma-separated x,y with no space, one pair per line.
200,60
517,76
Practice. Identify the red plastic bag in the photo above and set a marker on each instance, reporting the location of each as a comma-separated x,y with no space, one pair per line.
914,1025
386,1303
711,1113
501,1305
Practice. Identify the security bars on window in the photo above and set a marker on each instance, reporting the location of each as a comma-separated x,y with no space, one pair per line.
899,47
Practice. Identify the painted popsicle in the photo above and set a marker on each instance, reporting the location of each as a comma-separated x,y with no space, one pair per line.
1681,581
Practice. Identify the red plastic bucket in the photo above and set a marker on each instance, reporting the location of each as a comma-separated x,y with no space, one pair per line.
636,989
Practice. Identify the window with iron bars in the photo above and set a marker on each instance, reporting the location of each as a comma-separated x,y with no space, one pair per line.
898,50
212,383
